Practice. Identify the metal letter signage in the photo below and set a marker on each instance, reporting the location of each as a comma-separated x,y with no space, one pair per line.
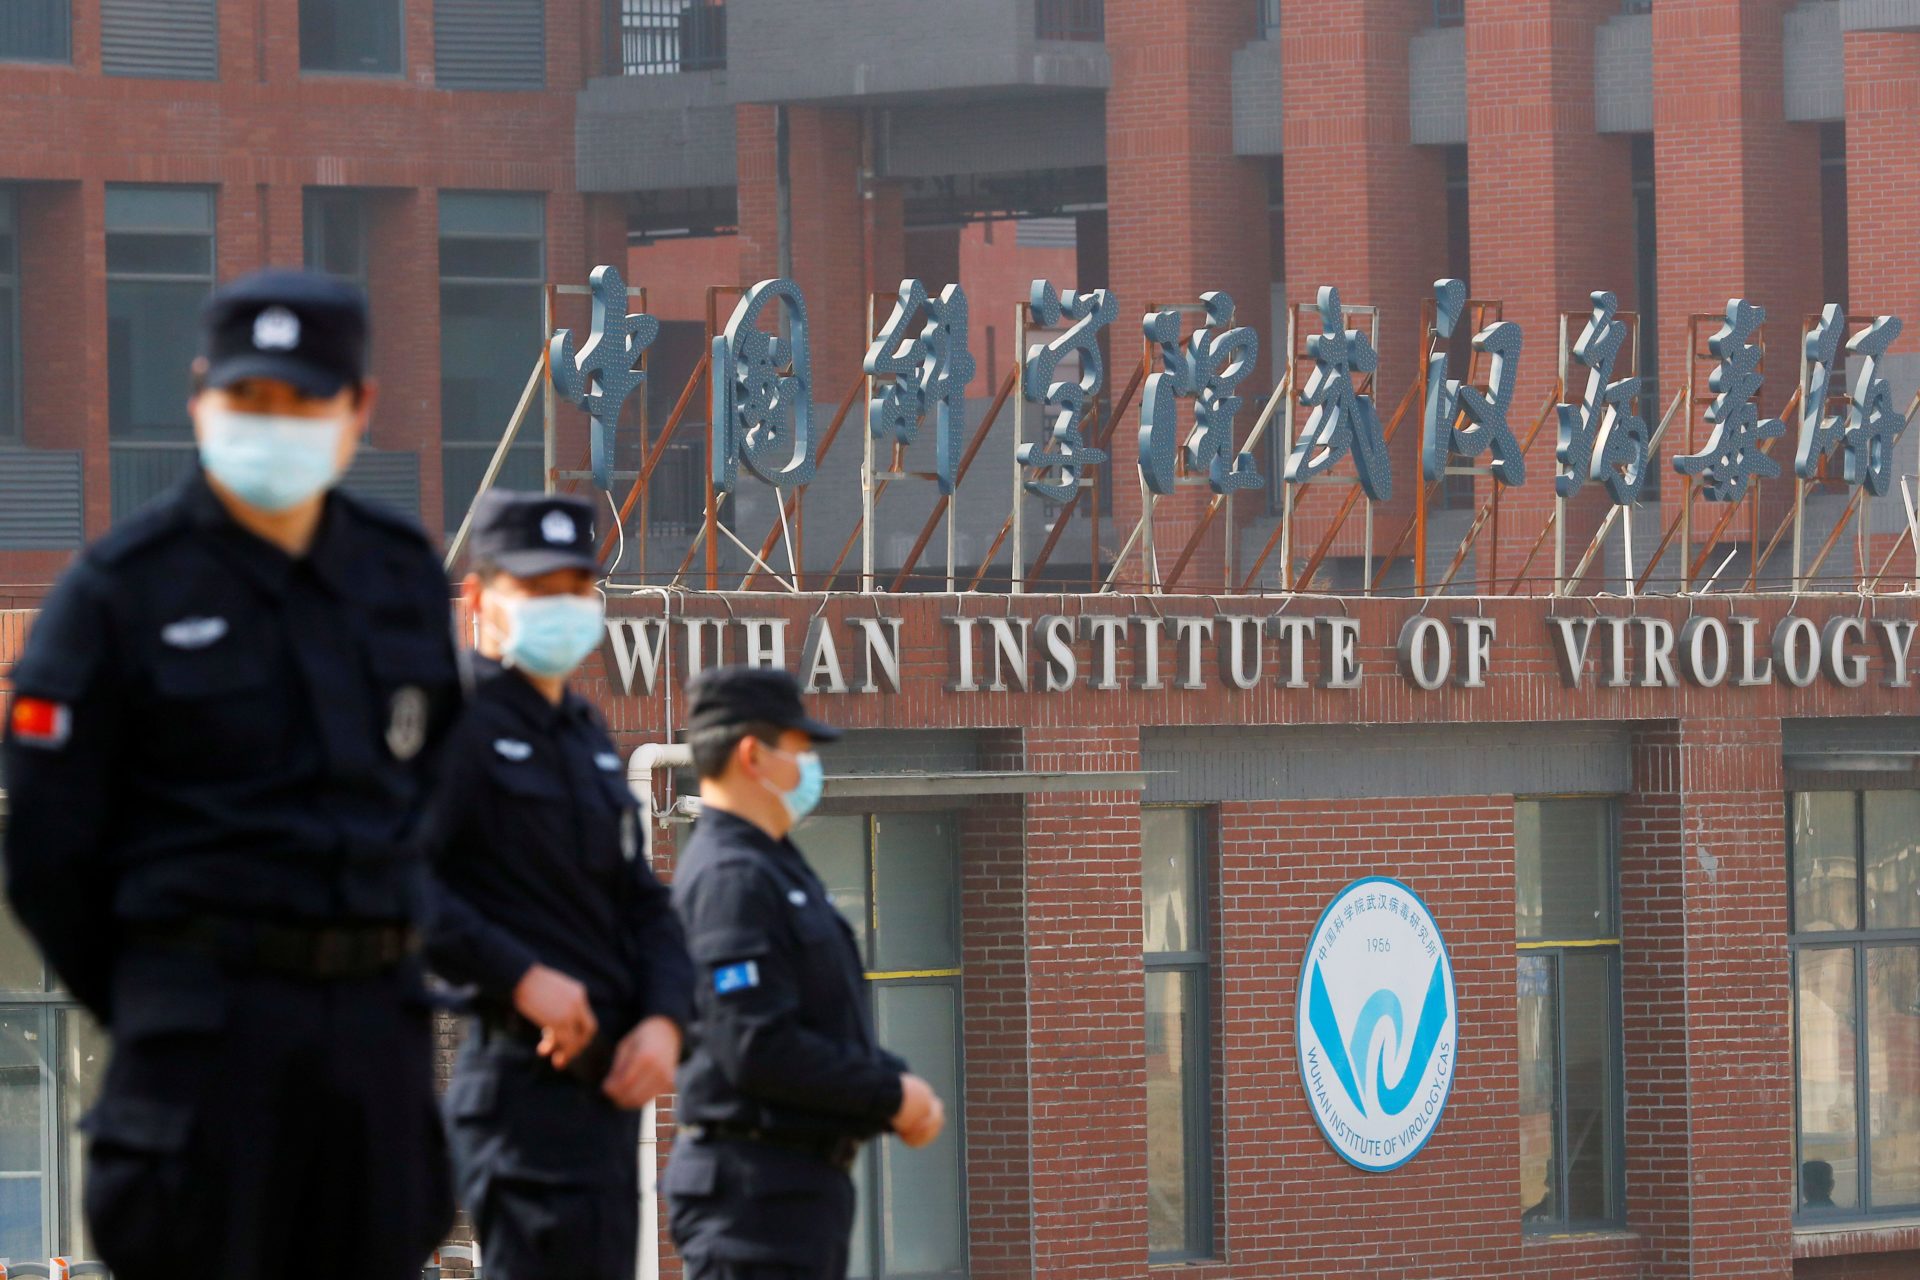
1873,424
1343,420
1601,437
1486,411
761,416
1819,430
1065,448
604,372
1376,1026
1214,361
930,369
1733,455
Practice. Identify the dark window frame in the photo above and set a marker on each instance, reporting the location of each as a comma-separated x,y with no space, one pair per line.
399,68
1859,942
1555,950
132,438
1197,966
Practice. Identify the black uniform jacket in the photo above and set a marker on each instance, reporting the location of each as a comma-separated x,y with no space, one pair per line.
783,1039
536,846
212,727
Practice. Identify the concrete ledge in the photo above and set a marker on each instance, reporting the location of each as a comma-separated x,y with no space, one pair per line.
1879,15
1897,1235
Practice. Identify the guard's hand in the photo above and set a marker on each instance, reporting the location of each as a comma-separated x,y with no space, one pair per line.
921,1115
643,1064
556,1004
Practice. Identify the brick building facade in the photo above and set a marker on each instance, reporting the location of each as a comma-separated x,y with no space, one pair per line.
1087,904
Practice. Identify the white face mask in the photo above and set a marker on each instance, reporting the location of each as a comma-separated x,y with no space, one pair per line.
551,635
270,461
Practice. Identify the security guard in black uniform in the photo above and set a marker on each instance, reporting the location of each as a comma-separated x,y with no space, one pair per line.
547,908
785,1080
222,731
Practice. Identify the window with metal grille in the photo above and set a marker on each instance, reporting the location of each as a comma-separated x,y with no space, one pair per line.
1572,1162
492,333
1854,872
663,37
354,36
36,31
895,878
1174,937
1070,19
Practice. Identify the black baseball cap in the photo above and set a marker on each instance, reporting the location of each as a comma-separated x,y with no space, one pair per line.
528,534
732,697
297,327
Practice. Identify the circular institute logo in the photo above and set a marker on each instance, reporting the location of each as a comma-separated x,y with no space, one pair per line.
1376,1027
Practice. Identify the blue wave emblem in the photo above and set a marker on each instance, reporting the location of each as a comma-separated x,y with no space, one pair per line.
1347,1054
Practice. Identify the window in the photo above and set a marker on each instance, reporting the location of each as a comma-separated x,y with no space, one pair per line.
492,333
160,257
1568,936
35,31
51,1059
1449,13
664,37
354,36
1179,1074
335,222
9,316
1854,859
895,879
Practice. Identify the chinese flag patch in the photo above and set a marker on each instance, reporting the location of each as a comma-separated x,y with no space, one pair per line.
39,723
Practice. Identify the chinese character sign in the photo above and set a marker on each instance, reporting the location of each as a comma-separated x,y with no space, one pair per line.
1064,451
1873,424
761,415
928,369
1206,370
602,374
1601,437
1465,420
1343,421
1820,431
1733,453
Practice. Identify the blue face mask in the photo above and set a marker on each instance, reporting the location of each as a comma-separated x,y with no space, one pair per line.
268,461
805,795
551,635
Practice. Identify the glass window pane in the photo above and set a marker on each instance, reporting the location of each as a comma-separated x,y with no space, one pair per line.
491,213
1539,1072
490,340
153,335
490,259
336,234
35,30
1892,845
836,849
1825,861
1589,1054
151,254
9,357
924,1228
1893,1075
133,208
83,1062
350,35
917,923
1169,880
1824,1043
23,1094
865,1184
1175,1081
1563,879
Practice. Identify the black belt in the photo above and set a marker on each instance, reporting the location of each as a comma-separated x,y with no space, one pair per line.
317,951
839,1152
